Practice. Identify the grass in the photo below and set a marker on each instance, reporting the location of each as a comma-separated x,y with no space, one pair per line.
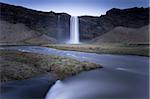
106,48
17,65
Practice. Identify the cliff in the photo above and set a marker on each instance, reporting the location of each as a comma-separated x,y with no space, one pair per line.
91,27
23,25
55,25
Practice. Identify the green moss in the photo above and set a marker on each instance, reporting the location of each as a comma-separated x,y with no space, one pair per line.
22,65
124,49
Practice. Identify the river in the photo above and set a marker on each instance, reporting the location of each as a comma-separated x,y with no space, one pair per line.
123,77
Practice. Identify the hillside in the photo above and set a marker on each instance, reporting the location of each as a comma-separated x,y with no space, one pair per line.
26,23
19,34
91,27
27,26
124,35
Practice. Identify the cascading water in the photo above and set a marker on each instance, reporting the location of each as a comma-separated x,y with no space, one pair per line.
74,30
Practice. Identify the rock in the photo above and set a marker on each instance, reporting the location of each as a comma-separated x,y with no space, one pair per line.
57,25
52,24
91,27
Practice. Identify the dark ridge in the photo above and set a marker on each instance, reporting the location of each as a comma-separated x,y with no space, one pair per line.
49,23
28,9
91,27
57,25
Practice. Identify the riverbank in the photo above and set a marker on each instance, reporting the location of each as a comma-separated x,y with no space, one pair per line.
106,48
16,65
117,71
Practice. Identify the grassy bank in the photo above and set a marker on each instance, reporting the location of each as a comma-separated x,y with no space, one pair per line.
22,65
105,48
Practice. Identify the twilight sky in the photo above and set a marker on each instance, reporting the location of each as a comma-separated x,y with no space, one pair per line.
78,7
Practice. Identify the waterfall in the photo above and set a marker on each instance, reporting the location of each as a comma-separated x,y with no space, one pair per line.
74,30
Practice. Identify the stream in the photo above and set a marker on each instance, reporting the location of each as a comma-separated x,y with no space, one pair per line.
123,77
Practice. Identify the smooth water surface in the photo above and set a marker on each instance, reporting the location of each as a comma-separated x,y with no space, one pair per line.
122,76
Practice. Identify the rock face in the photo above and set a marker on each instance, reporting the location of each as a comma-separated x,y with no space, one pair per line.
19,24
91,27
56,25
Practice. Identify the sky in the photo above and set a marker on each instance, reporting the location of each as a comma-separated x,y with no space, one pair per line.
78,7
